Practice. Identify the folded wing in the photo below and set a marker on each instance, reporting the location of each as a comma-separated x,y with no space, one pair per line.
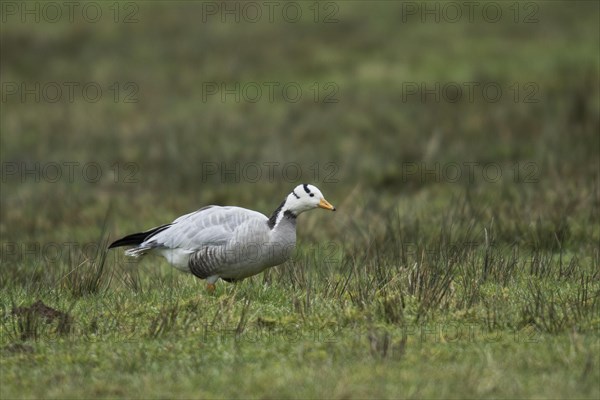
207,227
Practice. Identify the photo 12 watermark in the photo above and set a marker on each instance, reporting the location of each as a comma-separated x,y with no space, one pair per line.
471,332
270,92
470,172
517,12
470,92
69,92
328,253
53,253
269,171
51,12
290,12
68,172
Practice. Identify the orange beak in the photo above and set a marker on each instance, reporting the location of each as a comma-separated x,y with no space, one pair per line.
325,204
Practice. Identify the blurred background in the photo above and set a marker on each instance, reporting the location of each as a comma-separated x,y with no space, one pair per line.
143,111
458,140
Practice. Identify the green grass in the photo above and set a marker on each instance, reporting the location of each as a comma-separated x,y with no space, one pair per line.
419,286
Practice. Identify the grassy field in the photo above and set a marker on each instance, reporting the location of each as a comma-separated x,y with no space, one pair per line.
463,157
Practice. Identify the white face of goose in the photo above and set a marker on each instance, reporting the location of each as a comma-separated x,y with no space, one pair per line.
306,197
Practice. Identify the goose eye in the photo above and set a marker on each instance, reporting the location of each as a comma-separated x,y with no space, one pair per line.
312,195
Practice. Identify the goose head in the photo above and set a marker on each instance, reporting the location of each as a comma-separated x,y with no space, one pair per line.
306,197
303,198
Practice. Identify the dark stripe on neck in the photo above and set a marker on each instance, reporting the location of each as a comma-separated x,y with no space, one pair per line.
273,220
295,195
287,214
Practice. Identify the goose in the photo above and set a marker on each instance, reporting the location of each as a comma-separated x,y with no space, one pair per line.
230,243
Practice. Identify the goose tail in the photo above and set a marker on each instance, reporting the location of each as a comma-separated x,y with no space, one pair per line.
137,239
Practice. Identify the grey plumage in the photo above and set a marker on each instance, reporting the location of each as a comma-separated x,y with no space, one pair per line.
231,243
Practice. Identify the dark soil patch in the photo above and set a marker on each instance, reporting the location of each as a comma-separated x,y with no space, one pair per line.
29,318
41,310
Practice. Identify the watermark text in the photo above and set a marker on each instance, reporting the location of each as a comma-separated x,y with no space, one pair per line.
69,92
69,11
68,172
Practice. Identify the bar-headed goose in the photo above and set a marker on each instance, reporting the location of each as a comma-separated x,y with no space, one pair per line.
230,243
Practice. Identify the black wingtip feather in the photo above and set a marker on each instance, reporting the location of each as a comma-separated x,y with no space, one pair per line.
129,240
136,239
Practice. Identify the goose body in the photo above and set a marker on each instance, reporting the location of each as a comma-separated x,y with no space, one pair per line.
231,243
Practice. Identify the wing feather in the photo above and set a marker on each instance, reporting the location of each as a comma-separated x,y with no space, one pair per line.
209,226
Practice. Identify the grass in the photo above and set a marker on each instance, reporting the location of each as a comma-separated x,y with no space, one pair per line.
420,285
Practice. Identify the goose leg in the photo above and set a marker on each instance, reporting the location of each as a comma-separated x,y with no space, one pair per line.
210,283
210,288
